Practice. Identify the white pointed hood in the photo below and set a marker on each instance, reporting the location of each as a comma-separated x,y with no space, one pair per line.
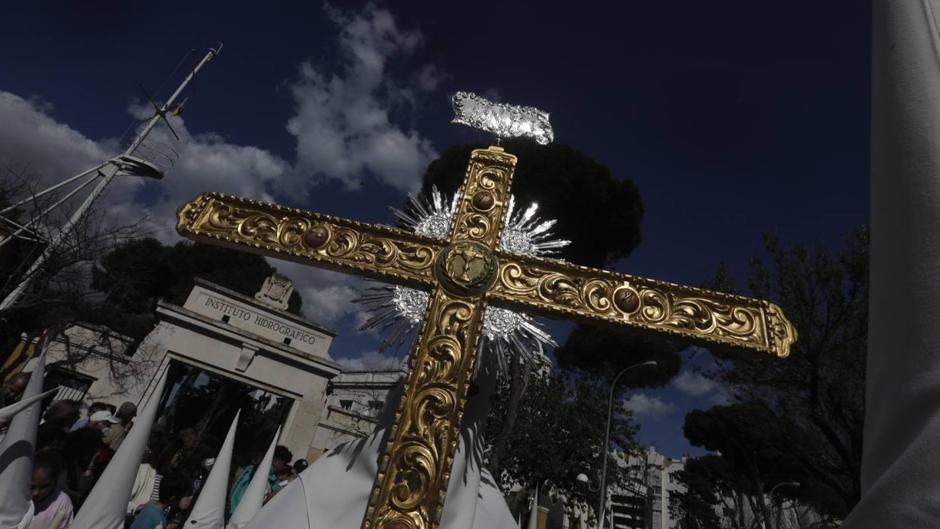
209,511
16,452
7,412
107,502
253,498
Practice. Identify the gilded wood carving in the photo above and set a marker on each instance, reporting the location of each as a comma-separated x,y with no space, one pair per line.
464,273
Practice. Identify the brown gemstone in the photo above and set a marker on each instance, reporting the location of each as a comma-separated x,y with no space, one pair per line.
316,237
483,200
626,300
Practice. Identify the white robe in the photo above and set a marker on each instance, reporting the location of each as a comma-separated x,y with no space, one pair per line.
333,492
900,463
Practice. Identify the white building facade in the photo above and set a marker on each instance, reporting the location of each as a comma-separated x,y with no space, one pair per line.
249,340
354,400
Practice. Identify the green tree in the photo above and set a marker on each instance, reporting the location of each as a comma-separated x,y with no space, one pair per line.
138,273
57,289
707,481
759,449
604,351
558,433
816,395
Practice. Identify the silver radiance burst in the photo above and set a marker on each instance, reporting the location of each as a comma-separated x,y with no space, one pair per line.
399,310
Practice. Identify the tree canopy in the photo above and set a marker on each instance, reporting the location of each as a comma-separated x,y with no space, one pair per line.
707,480
758,446
801,417
137,274
598,213
604,351
558,433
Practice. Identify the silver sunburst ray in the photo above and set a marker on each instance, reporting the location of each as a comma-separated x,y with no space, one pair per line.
397,311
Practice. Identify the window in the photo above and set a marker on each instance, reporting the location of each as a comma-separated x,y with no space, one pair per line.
345,404
376,405
71,385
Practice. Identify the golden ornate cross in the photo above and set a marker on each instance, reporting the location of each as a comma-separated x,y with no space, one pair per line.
465,272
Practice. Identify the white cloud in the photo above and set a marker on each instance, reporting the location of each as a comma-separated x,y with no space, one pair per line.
642,404
342,126
53,151
372,360
342,122
328,303
206,162
328,296
694,384
49,150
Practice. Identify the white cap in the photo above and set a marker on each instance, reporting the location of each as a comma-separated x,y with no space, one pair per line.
103,415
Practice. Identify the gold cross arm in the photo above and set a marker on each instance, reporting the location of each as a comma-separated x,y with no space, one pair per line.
553,288
465,272
379,252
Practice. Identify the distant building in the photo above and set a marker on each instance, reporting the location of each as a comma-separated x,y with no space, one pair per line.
222,346
660,476
354,400
641,499
659,473
95,363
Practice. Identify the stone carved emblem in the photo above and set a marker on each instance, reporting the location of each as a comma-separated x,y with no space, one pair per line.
466,268
275,292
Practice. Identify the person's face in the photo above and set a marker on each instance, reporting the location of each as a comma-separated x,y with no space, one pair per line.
14,387
278,465
42,484
98,425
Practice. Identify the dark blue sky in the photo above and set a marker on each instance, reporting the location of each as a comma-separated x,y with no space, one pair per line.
735,119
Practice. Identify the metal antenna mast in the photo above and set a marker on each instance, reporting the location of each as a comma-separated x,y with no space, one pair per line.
130,162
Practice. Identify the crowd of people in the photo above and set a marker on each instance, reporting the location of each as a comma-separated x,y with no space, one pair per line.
73,447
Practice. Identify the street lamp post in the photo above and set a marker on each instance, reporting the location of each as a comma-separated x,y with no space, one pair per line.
610,411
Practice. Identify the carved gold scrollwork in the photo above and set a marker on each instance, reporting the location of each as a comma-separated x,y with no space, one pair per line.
343,245
291,231
484,197
378,251
477,226
411,486
654,306
556,287
420,450
489,178
597,295
781,331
